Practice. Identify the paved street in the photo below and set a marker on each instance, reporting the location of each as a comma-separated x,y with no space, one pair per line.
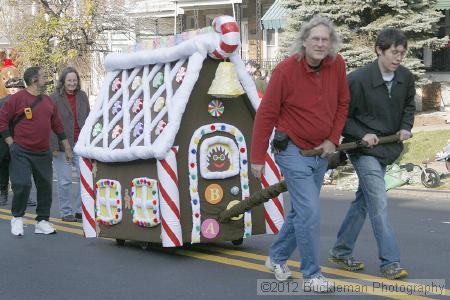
68,266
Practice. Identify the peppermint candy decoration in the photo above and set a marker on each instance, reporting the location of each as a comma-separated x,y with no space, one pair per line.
215,108
116,131
158,80
97,129
138,129
137,81
117,83
180,75
117,106
137,106
160,127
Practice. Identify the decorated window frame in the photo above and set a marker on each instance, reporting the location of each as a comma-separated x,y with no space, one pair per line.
145,210
108,204
206,157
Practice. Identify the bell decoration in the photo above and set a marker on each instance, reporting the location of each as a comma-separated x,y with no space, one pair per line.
226,83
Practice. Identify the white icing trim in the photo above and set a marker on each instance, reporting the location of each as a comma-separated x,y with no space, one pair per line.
196,50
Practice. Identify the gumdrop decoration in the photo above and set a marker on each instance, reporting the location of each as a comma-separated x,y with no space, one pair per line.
158,80
138,129
216,108
117,106
180,75
235,190
159,104
137,81
97,129
117,83
160,127
116,131
137,106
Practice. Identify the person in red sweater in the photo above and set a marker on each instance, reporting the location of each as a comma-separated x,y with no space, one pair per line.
306,101
12,85
34,115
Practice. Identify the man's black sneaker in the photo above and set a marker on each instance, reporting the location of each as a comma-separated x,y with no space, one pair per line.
394,271
69,218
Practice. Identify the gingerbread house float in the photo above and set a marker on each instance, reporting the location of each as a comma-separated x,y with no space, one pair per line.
160,158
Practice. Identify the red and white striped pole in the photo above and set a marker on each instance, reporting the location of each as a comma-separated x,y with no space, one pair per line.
171,233
273,209
87,197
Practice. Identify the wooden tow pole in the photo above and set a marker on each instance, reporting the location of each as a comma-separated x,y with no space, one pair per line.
273,191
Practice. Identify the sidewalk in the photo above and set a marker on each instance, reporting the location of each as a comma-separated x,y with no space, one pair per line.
424,121
431,121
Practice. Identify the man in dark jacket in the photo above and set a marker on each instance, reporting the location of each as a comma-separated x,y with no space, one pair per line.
382,103
12,85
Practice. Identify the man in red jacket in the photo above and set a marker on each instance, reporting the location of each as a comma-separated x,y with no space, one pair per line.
34,115
306,101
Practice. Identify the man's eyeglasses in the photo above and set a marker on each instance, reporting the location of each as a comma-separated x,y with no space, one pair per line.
397,53
317,40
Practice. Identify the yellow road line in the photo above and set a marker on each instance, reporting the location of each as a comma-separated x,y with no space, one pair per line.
249,265
53,220
57,227
326,270
261,268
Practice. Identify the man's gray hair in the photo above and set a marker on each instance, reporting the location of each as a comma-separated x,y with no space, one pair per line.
335,41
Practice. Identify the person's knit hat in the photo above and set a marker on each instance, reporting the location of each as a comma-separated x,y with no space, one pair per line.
15,82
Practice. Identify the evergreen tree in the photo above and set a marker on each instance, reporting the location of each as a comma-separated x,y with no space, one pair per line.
359,21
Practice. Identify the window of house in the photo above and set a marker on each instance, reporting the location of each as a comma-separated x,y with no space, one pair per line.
209,19
108,202
190,22
271,43
145,202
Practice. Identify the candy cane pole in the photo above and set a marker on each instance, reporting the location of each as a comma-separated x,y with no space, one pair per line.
273,209
87,198
169,200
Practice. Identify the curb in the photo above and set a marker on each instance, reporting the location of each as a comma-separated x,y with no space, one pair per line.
411,191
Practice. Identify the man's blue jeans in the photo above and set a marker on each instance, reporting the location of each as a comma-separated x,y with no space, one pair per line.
67,193
371,198
304,177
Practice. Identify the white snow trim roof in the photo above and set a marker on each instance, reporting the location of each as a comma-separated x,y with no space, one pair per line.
196,51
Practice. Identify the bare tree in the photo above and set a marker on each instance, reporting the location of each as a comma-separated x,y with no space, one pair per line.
56,33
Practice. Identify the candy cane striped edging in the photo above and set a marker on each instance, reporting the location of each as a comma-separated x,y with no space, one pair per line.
273,209
87,197
228,29
171,234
